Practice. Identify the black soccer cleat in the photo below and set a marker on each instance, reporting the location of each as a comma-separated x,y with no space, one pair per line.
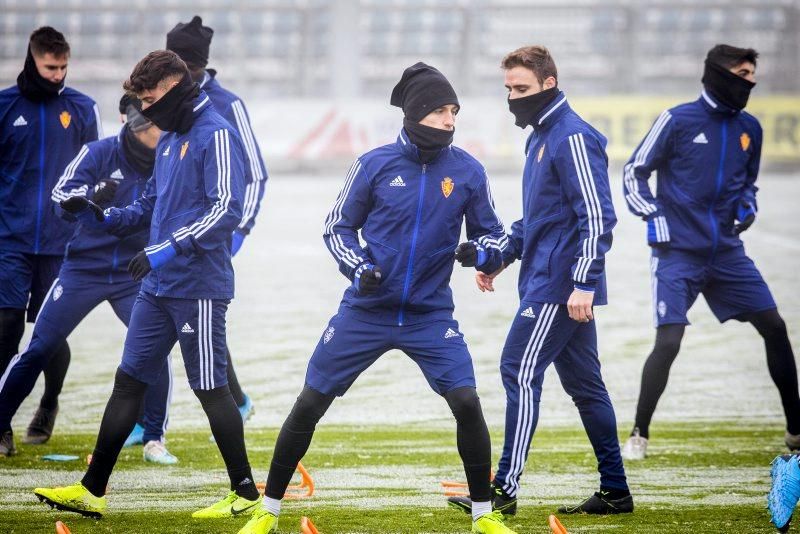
501,502
41,426
7,447
599,504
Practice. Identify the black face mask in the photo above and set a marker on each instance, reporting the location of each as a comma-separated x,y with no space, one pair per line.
528,108
140,156
430,141
727,87
33,86
173,112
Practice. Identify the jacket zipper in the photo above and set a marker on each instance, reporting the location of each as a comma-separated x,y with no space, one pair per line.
413,246
41,179
720,168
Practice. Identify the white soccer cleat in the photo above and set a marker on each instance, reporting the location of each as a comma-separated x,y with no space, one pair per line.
156,452
635,448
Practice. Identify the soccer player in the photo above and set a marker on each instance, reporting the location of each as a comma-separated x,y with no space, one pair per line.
192,42
561,241
44,125
192,204
706,154
113,173
407,200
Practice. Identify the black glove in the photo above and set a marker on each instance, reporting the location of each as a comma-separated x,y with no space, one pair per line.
746,215
83,209
104,191
367,279
139,266
470,254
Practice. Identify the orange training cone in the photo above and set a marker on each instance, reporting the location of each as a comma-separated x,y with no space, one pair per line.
302,490
307,527
61,528
555,525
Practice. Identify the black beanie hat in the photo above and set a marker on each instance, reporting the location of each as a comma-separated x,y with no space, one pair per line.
191,41
421,90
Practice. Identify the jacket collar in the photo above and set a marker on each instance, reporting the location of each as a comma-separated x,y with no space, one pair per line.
201,102
552,113
410,150
714,106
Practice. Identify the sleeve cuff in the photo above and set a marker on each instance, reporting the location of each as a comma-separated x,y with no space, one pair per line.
588,288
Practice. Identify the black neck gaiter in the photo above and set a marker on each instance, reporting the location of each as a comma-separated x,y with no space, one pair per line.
173,112
140,156
33,86
429,141
528,108
727,87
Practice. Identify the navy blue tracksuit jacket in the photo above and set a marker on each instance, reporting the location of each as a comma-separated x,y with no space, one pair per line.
232,109
568,214
37,141
92,251
415,253
193,202
707,157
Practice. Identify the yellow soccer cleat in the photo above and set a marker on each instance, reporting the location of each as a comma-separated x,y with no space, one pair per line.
75,498
261,522
491,523
231,506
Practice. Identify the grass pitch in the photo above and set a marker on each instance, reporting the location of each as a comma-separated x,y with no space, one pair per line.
699,478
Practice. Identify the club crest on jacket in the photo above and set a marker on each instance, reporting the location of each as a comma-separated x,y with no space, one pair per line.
447,186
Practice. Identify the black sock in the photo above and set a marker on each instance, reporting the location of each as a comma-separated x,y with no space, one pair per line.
228,430
295,438
781,364
614,493
474,444
12,326
233,383
54,375
118,421
656,373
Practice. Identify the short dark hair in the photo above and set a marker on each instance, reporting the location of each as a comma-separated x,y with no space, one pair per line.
536,58
731,56
155,67
48,40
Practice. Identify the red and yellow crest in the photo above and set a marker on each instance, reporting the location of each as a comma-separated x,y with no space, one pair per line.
65,119
184,148
744,139
541,153
447,186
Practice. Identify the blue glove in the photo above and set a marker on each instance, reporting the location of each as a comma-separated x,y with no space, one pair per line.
236,242
746,215
658,232
471,254
367,279
83,209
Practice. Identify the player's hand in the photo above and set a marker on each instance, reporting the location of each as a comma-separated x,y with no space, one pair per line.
471,254
485,281
746,215
83,209
139,266
367,279
658,232
579,306
105,190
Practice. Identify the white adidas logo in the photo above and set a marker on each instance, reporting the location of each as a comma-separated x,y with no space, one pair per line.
528,313
187,329
117,175
166,152
20,121
450,333
397,182
701,139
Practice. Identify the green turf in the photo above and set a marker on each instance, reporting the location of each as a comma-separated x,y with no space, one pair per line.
699,478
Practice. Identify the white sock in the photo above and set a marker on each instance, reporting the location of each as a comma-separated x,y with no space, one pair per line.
480,508
272,506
